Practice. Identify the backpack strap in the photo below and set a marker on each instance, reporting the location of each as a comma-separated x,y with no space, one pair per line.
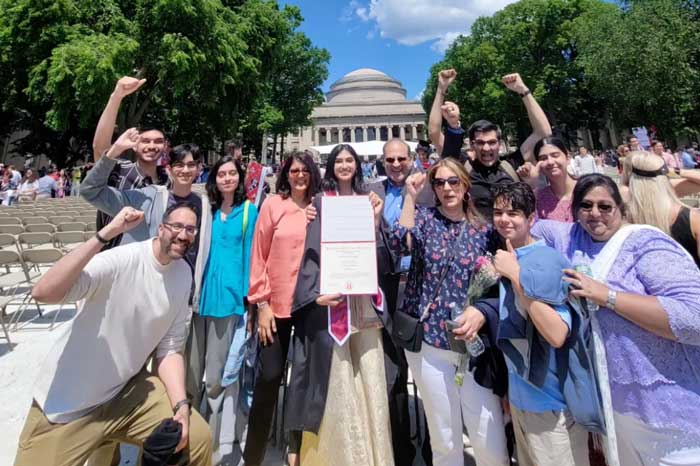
245,217
510,171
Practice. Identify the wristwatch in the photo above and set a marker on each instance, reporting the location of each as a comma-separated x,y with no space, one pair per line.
100,238
612,300
526,93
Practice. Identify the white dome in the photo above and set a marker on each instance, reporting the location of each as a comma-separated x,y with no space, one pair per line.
365,85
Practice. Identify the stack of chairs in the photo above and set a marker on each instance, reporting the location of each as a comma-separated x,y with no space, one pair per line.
33,237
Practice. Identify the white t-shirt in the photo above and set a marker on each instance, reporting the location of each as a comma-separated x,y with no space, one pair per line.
132,306
585,165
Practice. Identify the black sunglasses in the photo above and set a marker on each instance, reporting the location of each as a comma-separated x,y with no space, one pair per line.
391,160
440,182
603,208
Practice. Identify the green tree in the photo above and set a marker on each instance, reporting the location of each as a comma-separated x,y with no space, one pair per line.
534,38
206,63
646,64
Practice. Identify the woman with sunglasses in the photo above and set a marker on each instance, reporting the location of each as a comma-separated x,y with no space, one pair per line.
553,161
278,246
445,242
219,323
647,288
337,395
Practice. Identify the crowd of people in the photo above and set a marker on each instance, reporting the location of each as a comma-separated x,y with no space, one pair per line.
535,303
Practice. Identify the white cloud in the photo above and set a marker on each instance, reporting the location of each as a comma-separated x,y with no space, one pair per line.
412,22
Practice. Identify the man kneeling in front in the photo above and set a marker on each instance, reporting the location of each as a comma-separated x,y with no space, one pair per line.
93,385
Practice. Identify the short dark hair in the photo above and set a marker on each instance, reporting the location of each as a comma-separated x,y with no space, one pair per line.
591,181
145,129
330,182
518,194
178,153
483,126
179,205
283,186
655,142
232,145
215,197
551,141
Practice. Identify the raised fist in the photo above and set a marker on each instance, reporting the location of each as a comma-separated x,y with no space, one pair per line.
415,184
445,78
127,140
514,83
450,113
127,85
125,220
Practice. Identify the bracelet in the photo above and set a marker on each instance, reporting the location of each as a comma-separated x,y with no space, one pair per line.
100,238
262,305
182,403
525,94
612,300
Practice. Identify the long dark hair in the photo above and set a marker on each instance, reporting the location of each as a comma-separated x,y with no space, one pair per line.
215,197
551,141
591,181
284,188
330,182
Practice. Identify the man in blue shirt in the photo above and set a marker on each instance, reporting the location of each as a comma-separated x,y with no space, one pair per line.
546,434
47,185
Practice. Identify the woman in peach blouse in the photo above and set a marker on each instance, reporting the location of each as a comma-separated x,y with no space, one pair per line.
278,246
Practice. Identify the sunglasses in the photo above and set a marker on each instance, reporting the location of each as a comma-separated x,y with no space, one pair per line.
603,208
391,160
299,171
453,181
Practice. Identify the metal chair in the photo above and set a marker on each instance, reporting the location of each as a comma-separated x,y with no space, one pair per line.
40,228
12,229
61,219
10,221
36,258
68,240
72,226
34,220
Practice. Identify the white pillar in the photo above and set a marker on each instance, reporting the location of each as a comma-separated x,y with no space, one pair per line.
402,132
352,134
414,133
364,133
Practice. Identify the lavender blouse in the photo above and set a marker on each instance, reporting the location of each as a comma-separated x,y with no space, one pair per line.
651,378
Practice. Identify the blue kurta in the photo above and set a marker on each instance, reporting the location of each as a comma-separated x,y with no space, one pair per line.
225,281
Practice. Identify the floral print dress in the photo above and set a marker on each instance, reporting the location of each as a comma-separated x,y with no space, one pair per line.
433,237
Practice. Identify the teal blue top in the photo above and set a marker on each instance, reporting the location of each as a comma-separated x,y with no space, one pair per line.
225,281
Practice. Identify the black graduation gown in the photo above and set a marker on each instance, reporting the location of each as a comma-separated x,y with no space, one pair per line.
312,345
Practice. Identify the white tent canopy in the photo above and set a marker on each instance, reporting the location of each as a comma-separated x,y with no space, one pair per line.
362,148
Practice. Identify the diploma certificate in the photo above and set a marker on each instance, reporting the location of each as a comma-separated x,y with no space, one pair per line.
348,248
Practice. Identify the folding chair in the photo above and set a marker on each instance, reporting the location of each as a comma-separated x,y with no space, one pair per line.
61,219
72,226
34,220
68,240
85,218
40,228
37,258
10,221
12,229
13,274
39,240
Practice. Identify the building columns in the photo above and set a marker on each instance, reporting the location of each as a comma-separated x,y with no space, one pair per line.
352,134
414,133
402,132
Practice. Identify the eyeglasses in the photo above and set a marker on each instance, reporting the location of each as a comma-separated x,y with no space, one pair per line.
391,160
490,143
439,183
181,166
177,228
603,208
299,171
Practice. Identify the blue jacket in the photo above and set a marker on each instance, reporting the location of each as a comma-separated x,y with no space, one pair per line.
541,279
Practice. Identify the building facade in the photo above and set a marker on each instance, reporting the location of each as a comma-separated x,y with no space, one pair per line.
364,105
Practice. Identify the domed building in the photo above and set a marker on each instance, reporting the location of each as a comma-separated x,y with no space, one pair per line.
364,105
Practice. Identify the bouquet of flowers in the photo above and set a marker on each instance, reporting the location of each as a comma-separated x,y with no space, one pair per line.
484,277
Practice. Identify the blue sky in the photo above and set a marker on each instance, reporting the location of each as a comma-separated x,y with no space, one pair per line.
402,38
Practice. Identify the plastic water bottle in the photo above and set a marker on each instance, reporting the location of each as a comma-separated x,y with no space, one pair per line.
581,265
475,346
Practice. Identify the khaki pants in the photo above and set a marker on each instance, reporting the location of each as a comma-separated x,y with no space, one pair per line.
550,438
130,417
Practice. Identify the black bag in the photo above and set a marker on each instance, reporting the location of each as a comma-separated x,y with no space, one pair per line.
408,330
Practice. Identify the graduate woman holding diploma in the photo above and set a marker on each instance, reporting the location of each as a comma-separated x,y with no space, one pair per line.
337,394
